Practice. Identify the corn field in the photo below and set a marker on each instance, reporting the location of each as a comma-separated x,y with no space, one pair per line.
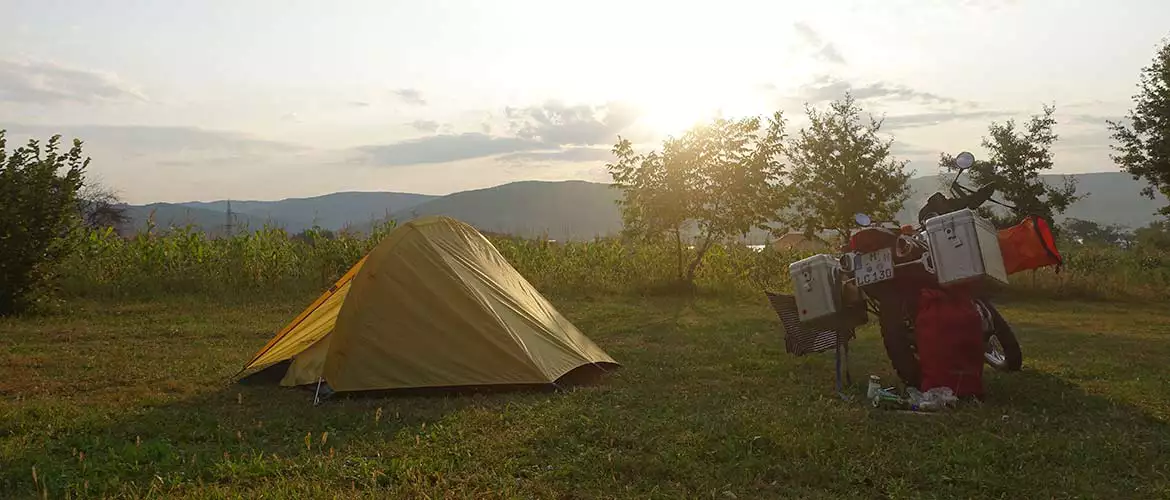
269,261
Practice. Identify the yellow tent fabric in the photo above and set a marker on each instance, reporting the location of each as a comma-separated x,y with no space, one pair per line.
433,305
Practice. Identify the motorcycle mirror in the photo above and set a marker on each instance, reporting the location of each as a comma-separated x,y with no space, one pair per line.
862,219
965,160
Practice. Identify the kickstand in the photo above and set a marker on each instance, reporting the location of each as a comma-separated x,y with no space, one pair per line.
842,355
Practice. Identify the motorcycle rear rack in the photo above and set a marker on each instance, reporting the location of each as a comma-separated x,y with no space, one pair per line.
800,339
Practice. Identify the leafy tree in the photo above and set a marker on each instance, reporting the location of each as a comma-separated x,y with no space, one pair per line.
1015,162
721,178
840,166
39,203
1087,231
1144,150
315,234
1156,235
100,207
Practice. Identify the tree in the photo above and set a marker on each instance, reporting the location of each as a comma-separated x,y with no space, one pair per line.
1087,231
1144,150
722,178
1015,161
314,234
1154,236
100,207
39,203
840,166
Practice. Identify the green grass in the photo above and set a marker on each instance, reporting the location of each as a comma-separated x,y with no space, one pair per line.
133,400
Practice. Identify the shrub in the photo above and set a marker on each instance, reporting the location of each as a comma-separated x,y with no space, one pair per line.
38,200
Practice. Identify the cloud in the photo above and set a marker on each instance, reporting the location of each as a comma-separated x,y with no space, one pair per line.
902,149
916,120
410,96
827,88
1096,120
556,124
359,104
162,146
991,5
42,82
928,119
825,51
1100,139
549,132
444,148
154,138
425,126
577,154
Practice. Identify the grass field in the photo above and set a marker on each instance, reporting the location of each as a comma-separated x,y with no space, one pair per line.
134,400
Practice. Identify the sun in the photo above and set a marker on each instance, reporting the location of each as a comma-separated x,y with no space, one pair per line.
673,109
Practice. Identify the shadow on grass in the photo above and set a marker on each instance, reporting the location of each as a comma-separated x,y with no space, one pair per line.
708,402
1036,436
242,432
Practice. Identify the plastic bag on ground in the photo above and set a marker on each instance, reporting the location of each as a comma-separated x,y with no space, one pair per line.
936,398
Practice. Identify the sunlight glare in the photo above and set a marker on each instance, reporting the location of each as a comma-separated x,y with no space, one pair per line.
672,109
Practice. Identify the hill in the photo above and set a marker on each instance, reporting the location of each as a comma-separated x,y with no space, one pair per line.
557,210
332,211
1112,198
170,214
575,209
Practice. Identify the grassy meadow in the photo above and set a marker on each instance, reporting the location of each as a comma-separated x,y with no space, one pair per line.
121,388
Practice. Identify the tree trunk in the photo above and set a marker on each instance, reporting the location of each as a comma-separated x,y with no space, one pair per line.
679,251
694,267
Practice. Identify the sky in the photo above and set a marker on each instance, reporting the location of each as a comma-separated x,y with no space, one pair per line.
269,99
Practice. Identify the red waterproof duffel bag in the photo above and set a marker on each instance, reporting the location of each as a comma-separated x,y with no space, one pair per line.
949,333
1028,245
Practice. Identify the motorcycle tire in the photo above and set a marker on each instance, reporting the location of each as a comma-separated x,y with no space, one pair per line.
897,340
1002,333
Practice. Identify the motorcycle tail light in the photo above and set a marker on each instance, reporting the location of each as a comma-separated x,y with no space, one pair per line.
870,240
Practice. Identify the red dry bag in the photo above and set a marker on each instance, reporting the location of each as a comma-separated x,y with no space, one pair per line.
1028,245
950,342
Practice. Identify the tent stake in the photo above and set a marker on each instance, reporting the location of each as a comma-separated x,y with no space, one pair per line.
317,393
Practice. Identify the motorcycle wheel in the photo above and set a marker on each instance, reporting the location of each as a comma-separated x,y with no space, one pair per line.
899,348
1002,350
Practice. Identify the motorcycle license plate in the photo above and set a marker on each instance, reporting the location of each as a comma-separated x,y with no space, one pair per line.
875,267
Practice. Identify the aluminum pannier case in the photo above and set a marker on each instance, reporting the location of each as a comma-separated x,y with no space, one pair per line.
816,283
965,248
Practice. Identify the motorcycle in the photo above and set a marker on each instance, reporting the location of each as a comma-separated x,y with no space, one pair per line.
885,266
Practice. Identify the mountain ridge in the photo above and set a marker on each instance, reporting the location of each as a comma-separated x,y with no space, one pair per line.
561,210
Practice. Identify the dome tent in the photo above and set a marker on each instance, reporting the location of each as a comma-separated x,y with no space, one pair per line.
434,304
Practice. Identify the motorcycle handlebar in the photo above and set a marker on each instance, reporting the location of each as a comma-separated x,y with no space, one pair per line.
978,198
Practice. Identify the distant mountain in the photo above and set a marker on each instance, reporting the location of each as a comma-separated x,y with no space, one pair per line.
169,214
558,210
575,210
332,211
1112,198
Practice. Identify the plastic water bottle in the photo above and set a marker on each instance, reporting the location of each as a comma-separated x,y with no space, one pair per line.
875,387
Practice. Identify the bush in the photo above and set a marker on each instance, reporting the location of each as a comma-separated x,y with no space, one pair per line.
38,200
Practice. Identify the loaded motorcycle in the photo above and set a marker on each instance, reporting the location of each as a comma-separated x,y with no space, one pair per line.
884,268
